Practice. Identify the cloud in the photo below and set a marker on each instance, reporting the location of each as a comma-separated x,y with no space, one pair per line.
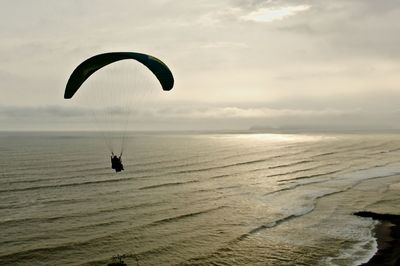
39,113
270,14
236,112
350,29
197,116
240,61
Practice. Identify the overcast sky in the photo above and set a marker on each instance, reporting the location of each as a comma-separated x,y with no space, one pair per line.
237,63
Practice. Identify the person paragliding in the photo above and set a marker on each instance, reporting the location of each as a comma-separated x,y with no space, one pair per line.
88,67
116,163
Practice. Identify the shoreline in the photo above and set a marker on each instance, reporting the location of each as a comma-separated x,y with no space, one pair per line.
387,233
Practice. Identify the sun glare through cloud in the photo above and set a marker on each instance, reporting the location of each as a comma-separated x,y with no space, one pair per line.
275,13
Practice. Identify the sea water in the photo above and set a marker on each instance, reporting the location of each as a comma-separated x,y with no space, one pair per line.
195,199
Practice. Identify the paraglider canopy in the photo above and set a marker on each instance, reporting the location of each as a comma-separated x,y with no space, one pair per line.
91,65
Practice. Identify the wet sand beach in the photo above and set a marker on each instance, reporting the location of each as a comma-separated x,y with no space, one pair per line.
387,233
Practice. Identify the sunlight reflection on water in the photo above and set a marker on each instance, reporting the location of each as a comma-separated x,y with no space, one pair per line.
271,137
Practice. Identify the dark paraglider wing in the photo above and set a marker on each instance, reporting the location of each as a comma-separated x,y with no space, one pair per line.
91,65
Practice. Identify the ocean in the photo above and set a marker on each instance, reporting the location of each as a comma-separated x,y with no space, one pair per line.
195,198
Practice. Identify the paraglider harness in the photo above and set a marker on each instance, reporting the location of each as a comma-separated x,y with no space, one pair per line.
116,163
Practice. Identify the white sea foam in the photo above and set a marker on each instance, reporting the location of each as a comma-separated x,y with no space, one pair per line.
358,253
